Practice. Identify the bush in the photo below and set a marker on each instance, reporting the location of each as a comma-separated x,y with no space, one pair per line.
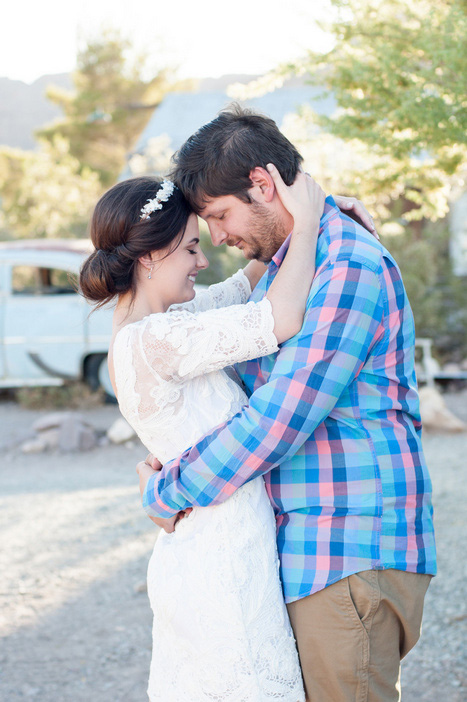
437,296
69,396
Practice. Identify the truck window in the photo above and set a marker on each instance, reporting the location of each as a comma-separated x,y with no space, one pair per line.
31,280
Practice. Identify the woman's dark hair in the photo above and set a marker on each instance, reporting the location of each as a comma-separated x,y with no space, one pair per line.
218,158
121,237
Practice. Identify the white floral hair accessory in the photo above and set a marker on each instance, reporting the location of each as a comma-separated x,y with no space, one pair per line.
162,195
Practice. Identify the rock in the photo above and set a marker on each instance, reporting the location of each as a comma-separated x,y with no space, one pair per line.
51,437
67,431
141,587
55,419
34,446
120,432
74,435
435,415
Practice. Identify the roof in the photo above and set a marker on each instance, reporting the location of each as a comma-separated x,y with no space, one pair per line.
181,114
78,246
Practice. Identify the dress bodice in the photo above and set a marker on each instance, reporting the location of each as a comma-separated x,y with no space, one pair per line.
173,370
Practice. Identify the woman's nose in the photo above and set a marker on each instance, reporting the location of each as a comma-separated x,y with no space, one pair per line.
202,261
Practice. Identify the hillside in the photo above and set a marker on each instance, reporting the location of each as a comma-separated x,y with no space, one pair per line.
24,108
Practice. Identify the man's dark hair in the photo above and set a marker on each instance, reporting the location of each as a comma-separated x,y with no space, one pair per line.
219,157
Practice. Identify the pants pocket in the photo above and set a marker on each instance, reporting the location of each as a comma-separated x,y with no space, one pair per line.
364,596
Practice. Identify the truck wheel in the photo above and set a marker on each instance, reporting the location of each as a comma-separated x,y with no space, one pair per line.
96,374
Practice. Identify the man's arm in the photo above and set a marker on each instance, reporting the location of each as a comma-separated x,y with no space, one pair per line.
342,323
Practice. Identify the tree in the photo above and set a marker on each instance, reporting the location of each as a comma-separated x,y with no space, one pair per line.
397,140
398,71
109,106
46,193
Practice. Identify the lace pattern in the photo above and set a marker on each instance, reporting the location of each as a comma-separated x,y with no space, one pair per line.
221,630
165,365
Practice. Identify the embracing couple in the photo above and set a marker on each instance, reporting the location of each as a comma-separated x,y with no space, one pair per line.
281,411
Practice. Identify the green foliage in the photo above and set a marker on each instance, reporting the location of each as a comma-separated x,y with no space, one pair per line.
108,108
398,71
438,297
69,396
50,192
46,193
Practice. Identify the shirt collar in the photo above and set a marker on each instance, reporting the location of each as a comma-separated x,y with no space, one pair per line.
330,208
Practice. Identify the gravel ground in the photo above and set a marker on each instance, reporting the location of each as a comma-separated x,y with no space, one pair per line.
74,616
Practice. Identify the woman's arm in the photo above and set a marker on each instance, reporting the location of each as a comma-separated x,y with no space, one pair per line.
254,271
304,199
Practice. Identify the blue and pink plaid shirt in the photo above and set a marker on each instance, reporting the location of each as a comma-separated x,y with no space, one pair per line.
333,424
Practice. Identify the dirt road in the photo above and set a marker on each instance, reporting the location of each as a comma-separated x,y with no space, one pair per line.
75,623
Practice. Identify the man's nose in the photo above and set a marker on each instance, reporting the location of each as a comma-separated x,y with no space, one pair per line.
218,236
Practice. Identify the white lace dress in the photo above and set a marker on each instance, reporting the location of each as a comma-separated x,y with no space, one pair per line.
221,630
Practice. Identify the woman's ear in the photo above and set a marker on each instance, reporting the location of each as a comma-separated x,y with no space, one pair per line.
263,184
148,262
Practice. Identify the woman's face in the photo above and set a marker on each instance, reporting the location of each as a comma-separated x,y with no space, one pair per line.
174,276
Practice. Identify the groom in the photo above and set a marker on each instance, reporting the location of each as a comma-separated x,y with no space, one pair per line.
333,424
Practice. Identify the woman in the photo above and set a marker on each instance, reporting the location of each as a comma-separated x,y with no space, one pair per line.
221,630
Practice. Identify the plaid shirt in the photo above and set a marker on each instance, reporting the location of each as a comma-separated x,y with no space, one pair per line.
333,424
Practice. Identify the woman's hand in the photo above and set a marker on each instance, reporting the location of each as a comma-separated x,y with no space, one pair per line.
304,199
146,470
351,204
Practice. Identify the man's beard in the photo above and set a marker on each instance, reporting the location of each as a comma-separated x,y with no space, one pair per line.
266,234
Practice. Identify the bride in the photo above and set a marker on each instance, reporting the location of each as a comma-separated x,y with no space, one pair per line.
221,630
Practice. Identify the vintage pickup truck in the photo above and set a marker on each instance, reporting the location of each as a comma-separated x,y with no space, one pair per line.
48,335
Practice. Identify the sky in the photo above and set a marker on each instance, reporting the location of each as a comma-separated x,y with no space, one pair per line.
203,38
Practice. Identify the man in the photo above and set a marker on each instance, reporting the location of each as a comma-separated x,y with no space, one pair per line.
333,424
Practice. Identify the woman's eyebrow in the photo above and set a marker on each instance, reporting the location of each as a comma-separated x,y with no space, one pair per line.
194,241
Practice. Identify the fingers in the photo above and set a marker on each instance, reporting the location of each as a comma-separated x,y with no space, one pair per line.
153,462
276,176
140,466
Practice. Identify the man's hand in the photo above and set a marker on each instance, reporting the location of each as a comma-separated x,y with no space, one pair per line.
357,208
145,470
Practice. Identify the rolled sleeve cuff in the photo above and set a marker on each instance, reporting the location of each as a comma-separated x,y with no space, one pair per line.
152,503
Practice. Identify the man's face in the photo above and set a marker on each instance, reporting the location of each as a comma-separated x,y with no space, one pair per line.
253,228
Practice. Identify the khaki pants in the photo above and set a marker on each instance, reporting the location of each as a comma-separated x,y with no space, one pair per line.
352,635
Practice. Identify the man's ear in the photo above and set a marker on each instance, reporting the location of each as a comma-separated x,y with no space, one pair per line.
263,183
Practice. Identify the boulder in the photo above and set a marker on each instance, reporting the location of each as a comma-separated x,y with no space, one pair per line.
435,415
34,446
55,419
120,432
67,431
75,435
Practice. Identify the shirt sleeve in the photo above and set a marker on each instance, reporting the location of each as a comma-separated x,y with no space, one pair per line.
235,290
181,345
343,321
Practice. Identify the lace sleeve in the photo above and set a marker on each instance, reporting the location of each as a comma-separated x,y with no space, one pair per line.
233,291
180,345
